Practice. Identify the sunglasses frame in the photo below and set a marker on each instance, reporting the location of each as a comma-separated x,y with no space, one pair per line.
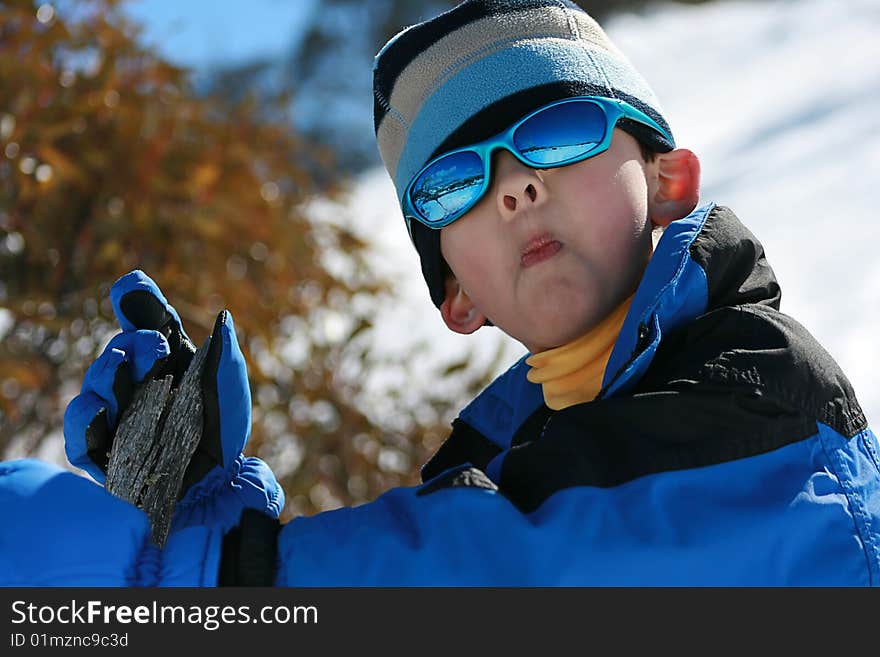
613,109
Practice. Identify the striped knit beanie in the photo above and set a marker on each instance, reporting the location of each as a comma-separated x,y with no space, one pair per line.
472,71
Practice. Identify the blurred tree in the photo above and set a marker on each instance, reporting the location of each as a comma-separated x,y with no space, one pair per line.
111,162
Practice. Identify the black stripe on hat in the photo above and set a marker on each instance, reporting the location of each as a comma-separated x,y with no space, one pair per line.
411,43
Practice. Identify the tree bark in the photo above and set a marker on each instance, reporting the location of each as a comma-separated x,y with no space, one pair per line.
155,439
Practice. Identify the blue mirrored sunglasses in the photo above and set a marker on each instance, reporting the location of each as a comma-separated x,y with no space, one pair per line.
558,134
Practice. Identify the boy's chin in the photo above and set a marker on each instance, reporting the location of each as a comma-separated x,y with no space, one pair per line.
565,323
550,336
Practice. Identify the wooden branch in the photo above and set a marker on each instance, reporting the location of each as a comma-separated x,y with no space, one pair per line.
155,439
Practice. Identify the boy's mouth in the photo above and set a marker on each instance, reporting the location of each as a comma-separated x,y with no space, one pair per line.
538,249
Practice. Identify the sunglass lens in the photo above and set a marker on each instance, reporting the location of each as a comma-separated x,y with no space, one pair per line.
561,133
448,186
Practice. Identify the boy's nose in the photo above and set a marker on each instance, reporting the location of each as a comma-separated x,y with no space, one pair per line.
517,187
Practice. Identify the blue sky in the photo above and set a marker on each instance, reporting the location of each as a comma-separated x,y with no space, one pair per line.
202,32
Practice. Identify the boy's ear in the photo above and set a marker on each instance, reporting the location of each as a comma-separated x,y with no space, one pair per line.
457,309
676,190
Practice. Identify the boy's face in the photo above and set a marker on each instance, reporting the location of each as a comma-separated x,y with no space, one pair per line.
547,254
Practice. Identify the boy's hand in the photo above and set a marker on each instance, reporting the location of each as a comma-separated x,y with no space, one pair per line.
219,481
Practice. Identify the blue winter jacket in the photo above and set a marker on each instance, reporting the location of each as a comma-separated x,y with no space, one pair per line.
725,448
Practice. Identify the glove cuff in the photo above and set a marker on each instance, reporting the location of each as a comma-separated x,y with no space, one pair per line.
256,486
219,498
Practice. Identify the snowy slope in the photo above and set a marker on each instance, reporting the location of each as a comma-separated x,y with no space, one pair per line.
781,101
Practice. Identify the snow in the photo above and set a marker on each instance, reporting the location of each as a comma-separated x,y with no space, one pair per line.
781,101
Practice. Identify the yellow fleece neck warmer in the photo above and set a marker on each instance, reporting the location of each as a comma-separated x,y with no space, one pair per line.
573,373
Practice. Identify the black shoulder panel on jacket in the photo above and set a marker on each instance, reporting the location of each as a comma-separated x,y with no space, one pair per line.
609,442
736,269
737,382
758,347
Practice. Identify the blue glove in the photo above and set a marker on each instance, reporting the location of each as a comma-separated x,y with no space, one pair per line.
219,482
49,536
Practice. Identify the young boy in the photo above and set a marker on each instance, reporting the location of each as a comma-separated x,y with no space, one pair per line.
669,425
